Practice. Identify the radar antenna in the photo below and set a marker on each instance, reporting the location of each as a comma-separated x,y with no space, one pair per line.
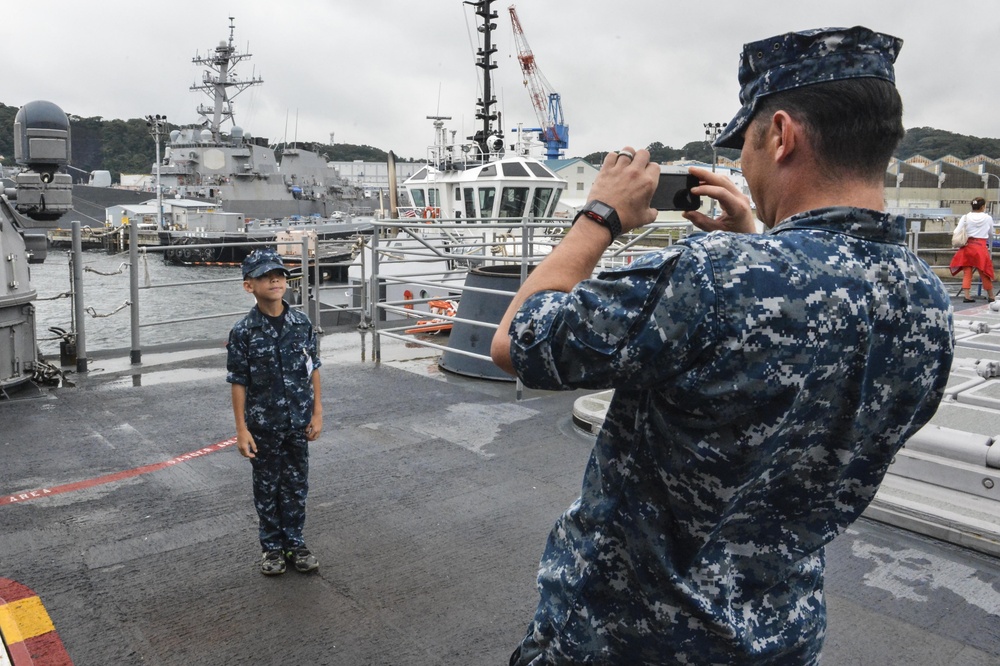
217,81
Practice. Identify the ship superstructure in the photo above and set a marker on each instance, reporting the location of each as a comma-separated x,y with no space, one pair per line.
476,180
241,172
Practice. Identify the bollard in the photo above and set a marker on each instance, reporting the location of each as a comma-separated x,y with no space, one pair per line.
78,307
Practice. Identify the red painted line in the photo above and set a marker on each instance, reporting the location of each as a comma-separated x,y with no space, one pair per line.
11,591
17,498
45,650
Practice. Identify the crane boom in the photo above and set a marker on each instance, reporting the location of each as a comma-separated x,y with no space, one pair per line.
547,103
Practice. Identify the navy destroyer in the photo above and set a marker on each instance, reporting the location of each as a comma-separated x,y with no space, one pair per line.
241,172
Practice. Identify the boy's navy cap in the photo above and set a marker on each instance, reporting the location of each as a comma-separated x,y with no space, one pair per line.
261,262
798,59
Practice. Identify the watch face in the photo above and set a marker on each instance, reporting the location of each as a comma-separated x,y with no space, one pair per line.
601,209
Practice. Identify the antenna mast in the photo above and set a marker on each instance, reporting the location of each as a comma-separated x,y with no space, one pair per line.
216,82
488,140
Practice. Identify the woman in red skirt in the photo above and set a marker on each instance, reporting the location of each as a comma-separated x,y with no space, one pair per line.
976,253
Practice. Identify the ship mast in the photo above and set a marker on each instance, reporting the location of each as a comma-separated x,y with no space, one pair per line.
487,140
216,83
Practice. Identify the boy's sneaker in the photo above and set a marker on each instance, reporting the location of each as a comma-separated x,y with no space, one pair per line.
302,559
272,563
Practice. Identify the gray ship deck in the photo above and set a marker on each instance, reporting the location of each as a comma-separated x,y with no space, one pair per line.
431,496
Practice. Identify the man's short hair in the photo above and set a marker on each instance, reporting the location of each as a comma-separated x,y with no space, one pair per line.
853,125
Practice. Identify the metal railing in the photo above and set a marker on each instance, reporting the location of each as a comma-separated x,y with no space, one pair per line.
308,297
453,247
395,272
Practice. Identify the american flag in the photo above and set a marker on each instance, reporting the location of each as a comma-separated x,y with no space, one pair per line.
409,212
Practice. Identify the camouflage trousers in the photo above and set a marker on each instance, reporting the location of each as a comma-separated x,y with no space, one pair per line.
528,653
280,486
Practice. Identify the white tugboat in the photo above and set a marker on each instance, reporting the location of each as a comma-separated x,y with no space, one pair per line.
468,191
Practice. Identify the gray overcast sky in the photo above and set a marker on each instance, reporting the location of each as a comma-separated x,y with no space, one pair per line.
370,71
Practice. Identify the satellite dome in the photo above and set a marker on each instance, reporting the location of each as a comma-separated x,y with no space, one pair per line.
205,136
41,137
42,115
237,132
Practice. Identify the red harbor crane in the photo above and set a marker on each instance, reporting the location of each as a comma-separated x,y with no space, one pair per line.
554,132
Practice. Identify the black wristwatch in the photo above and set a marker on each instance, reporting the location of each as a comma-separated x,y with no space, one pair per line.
604,215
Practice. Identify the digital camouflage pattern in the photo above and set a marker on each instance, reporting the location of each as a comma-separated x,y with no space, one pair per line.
275,369
763,383
280,488
798,59
277,372
262,261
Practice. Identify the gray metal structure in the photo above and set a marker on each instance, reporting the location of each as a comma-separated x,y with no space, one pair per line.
242,172
39,198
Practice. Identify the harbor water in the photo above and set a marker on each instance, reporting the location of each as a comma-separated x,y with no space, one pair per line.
106,289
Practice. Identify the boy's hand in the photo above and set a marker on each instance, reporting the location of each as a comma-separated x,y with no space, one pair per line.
314,428
245,443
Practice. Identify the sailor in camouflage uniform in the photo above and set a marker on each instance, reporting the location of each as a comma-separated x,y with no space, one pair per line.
762,382
273,365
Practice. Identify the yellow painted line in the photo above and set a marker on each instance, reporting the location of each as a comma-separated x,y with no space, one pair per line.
8,628
24,619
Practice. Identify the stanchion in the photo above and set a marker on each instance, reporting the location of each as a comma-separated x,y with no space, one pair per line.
373,298
133,286
78,307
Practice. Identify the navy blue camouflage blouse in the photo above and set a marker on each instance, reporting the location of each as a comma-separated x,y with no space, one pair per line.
277,370
763,384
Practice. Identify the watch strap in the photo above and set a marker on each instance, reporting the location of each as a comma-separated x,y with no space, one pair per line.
604,215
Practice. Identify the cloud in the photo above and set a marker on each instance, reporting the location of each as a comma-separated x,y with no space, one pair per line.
629,72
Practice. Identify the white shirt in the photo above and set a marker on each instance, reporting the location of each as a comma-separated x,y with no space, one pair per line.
978,225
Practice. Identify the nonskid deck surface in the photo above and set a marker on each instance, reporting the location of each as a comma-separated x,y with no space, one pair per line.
431,497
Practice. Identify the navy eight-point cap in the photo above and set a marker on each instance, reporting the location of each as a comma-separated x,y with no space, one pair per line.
261,262
798,59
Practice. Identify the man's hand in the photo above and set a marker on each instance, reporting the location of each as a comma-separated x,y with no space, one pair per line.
736,213
627,185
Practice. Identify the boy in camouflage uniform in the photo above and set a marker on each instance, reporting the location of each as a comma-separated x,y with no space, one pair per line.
762,382
273,366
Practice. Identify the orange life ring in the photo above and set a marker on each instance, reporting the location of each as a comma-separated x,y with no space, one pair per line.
430,213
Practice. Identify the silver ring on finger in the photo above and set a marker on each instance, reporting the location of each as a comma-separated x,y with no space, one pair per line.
626,153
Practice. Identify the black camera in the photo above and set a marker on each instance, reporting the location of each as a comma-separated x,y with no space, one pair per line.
674,192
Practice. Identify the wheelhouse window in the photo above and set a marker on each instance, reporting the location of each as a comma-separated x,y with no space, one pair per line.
419,198
540,202
555,202
470,202
487,195
512,201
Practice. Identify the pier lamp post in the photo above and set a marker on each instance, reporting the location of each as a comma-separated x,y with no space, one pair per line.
156,125
712,132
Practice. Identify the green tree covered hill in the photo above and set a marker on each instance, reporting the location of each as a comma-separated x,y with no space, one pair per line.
125,146
931,143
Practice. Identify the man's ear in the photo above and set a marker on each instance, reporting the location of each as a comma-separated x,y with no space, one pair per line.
247,287
786,133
